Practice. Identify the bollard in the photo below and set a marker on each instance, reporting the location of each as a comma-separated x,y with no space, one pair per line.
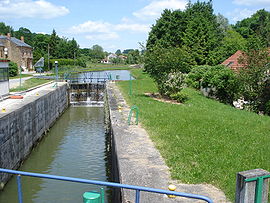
91,197
252,186
172,188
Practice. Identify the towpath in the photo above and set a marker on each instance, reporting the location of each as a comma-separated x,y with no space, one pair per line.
140,163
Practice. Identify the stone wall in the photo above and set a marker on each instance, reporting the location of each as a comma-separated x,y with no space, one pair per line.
24,126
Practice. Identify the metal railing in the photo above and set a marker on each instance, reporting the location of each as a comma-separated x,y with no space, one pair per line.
138,189
259,187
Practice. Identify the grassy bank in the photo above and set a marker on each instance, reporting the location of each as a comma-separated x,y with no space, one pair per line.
202,141
23,76
32,82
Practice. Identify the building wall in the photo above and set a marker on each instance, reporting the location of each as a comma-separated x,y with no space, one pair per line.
23,56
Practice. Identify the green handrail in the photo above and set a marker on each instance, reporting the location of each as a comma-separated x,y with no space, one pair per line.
134,107
259,187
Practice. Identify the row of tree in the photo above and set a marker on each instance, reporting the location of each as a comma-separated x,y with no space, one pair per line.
53,46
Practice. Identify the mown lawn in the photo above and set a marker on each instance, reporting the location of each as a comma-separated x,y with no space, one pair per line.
202,141
32,82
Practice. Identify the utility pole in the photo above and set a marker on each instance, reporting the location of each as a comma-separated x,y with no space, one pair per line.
48,57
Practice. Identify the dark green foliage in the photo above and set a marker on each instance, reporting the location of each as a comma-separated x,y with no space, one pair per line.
255,78
4,29
231,43
256,27
223,81
67,62
195,76
195,28
159,62
12,69
180,97
118,52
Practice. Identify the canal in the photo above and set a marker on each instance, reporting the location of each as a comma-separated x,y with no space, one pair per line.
75,147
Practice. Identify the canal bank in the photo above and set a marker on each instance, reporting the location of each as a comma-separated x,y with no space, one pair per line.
23,122
136,160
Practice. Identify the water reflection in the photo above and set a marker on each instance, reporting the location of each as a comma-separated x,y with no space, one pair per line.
74,147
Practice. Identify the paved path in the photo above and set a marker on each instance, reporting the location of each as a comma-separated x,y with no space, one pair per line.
140,163
16,82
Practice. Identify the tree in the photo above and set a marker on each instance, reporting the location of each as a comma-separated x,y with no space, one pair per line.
231,43
53,41
26,33
256,27
118,52
4,29
255,78
96,53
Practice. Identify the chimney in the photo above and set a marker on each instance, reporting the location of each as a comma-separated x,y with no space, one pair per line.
8,35
22,38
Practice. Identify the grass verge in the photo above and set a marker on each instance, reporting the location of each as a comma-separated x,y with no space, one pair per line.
23,76
202,141
32,82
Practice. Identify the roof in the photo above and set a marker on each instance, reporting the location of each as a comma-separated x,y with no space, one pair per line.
16,41
232,61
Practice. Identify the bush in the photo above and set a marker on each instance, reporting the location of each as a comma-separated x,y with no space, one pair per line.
180,97
222,81
159,62
194,77
68,62
172,83
12,69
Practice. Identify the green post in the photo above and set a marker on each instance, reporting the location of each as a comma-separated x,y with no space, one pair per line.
130,114
130,85
102,195
91,197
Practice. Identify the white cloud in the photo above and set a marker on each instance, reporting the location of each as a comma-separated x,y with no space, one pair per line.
102,36
99,30
91,26
30,9
135,27
155,8
252,2
240,14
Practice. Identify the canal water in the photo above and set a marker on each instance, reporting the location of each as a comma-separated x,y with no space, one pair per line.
75,147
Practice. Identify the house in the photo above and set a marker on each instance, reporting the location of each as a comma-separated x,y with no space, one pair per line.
232,61
109,58
4,83
17,51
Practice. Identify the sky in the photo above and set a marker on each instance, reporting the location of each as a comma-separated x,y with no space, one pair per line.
112,24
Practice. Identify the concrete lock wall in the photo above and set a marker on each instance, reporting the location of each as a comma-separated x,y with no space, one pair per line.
21,128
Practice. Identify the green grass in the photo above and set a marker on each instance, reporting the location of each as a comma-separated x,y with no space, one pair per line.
23,76
32,82
202,141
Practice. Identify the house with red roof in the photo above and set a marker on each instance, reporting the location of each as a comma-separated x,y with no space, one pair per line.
233,63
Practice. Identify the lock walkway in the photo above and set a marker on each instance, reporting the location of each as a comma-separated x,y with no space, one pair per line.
140,163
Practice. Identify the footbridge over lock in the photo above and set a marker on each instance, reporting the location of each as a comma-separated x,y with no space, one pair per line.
87,90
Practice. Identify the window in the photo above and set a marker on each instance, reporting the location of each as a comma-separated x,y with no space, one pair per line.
3,74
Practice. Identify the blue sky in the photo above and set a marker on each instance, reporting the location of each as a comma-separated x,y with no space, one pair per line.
113,24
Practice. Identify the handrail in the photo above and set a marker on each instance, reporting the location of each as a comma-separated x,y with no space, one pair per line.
259,187
138,189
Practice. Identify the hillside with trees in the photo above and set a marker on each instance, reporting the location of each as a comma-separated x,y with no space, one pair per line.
190,44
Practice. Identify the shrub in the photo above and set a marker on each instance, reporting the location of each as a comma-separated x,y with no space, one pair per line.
12,69
159,62
222,81
68,62
195,76
172,83
180,97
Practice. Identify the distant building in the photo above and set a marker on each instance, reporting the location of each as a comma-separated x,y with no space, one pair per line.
18,51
